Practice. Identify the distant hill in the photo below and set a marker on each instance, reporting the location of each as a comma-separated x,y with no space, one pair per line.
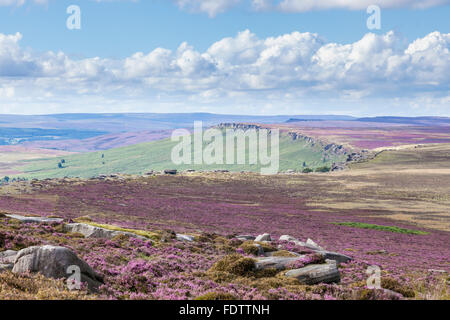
409,120
156,155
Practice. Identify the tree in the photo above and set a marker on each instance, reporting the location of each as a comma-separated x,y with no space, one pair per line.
60,165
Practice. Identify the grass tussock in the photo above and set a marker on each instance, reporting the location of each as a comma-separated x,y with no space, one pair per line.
37,287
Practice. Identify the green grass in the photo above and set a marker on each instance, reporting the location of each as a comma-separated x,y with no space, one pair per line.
156,155
378,227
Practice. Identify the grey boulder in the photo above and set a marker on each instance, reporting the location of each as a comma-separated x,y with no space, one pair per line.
96,232
185,237
263,237
316,273
279,263
55,262
34,219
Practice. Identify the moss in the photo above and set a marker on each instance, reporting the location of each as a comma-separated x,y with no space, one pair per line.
394,285
216,296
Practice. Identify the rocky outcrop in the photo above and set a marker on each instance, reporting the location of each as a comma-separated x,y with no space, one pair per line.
34,219
55,262
238,126
279,263
90,231
316,273
310,244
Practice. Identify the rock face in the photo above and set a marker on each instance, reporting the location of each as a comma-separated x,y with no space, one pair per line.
53,262
34,219
96,232
316,273
263,237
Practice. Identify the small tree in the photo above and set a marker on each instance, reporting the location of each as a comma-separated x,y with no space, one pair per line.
60,165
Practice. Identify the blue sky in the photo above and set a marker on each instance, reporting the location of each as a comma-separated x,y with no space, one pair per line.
234,56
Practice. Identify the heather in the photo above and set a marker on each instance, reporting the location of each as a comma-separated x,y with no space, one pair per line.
215,208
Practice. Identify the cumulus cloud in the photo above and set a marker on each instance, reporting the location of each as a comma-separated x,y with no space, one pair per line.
244,71
214,7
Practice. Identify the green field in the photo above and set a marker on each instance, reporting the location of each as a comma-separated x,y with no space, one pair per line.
156,155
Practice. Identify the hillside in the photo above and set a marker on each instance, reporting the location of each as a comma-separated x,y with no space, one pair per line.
156,155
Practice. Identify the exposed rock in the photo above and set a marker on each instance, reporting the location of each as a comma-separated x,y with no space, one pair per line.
184,237
312,244
260,249
279,263
334,256
287,238
53,262
96,232
7,259
316,273
34,219
245,237
263,237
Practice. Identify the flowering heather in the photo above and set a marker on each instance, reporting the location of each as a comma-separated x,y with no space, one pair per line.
217,208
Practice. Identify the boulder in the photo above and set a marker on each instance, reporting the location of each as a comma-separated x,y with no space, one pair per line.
279,263
311,244
263,237
34,219
90,231
246,238
316,273
54,262
184,237
287,238
337,257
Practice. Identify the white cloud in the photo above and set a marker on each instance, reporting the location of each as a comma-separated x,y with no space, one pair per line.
214,7
308,5
244,71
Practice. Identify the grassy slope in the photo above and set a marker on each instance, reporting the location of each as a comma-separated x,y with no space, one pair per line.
156,155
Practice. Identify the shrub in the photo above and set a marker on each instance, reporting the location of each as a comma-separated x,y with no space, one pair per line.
307,170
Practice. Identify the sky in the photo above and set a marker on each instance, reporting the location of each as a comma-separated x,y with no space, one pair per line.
225,56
